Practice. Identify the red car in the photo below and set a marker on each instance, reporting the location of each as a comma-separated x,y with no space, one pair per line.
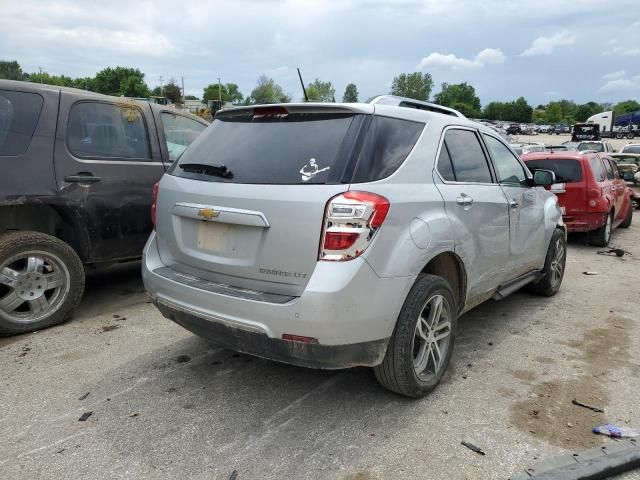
592,195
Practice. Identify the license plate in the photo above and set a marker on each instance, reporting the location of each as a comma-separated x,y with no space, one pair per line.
213,236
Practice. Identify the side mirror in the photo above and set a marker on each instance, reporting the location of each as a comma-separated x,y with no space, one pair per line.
627,175
544,178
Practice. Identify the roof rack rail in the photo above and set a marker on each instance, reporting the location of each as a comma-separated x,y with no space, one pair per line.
411,103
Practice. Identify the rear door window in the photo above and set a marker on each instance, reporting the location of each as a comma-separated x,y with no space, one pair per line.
609,170
598,169
566,170
179,132
107,131
19,114
389,141
468,161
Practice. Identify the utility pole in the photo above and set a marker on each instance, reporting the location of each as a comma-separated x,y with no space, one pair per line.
40,70
160,80
182,78
219,92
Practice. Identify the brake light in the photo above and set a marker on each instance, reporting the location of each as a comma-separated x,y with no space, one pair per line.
154,195
298,338
350,222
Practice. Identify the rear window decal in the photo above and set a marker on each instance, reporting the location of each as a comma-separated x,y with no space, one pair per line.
311,169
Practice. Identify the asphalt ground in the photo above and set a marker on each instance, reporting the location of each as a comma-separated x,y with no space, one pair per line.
166,404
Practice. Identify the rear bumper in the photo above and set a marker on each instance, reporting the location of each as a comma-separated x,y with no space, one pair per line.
310,355
345,306
585,222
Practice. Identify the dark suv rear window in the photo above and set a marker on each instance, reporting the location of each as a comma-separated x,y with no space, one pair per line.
277,149
566,170
19,113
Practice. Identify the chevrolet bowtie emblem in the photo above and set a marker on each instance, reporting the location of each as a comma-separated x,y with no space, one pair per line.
208,213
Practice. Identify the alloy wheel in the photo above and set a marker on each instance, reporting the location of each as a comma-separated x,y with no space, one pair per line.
557,264
432,337
33,285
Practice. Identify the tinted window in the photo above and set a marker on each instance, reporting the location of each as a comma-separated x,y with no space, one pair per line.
388,142
566,170
598,170
614,167
507,166
19,113
595,146
607,167
467,158
273,149
444,165
179,132
107,131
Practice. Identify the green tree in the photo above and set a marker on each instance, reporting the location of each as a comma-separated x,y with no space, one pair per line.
233,94
190,97
11,70
214,91
553,113
412,85
494,111
460,96
128,82
627,106
319,91
584,111
173,92
268,91
350,94
521,111
44,77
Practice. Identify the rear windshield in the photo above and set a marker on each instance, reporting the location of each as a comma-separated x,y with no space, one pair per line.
566,171
278,149
299,148
630,149
595,146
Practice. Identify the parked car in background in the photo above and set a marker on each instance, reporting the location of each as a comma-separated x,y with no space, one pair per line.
544,128
557,148
76,188
595,146
561,128
524,148
628,165
631,148
514,129
592,195
338,235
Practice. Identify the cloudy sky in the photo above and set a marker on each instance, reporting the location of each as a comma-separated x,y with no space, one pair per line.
542,49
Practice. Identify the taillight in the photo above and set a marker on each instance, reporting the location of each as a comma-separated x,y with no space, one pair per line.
154,194
350,222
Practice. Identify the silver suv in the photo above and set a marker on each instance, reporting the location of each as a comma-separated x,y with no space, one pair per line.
337,235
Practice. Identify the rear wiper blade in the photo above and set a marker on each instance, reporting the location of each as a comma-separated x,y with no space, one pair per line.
207,169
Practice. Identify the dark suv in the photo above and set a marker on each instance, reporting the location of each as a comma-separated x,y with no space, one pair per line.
78,170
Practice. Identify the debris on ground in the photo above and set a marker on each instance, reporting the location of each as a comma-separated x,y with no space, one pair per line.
590,273
611,430
183,358
84,417
61,450
584,405
234,475
134,414
473,448
82,397
108,328
618,252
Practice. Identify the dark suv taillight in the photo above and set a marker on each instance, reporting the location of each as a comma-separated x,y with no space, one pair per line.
154,194
350,222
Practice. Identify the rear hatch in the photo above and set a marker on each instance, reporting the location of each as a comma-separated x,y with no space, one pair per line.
244,205
570,189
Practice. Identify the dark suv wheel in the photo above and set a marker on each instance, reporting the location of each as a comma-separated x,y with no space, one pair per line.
554,266
41,281
422,342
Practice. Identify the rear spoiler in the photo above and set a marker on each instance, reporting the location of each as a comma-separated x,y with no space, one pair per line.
285,108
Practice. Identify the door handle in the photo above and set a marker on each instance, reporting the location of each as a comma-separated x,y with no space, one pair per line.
514,203
82,178
464,199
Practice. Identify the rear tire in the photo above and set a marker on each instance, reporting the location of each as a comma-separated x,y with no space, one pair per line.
602,236
626,223
41,281
554,267
425,329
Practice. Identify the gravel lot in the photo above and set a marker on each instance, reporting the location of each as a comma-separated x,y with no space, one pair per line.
168,405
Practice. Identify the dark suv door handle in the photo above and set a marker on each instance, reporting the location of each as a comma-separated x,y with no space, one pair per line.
82,178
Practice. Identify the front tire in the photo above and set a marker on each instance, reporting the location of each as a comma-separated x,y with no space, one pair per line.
602,236
422,342
41,281
554,266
